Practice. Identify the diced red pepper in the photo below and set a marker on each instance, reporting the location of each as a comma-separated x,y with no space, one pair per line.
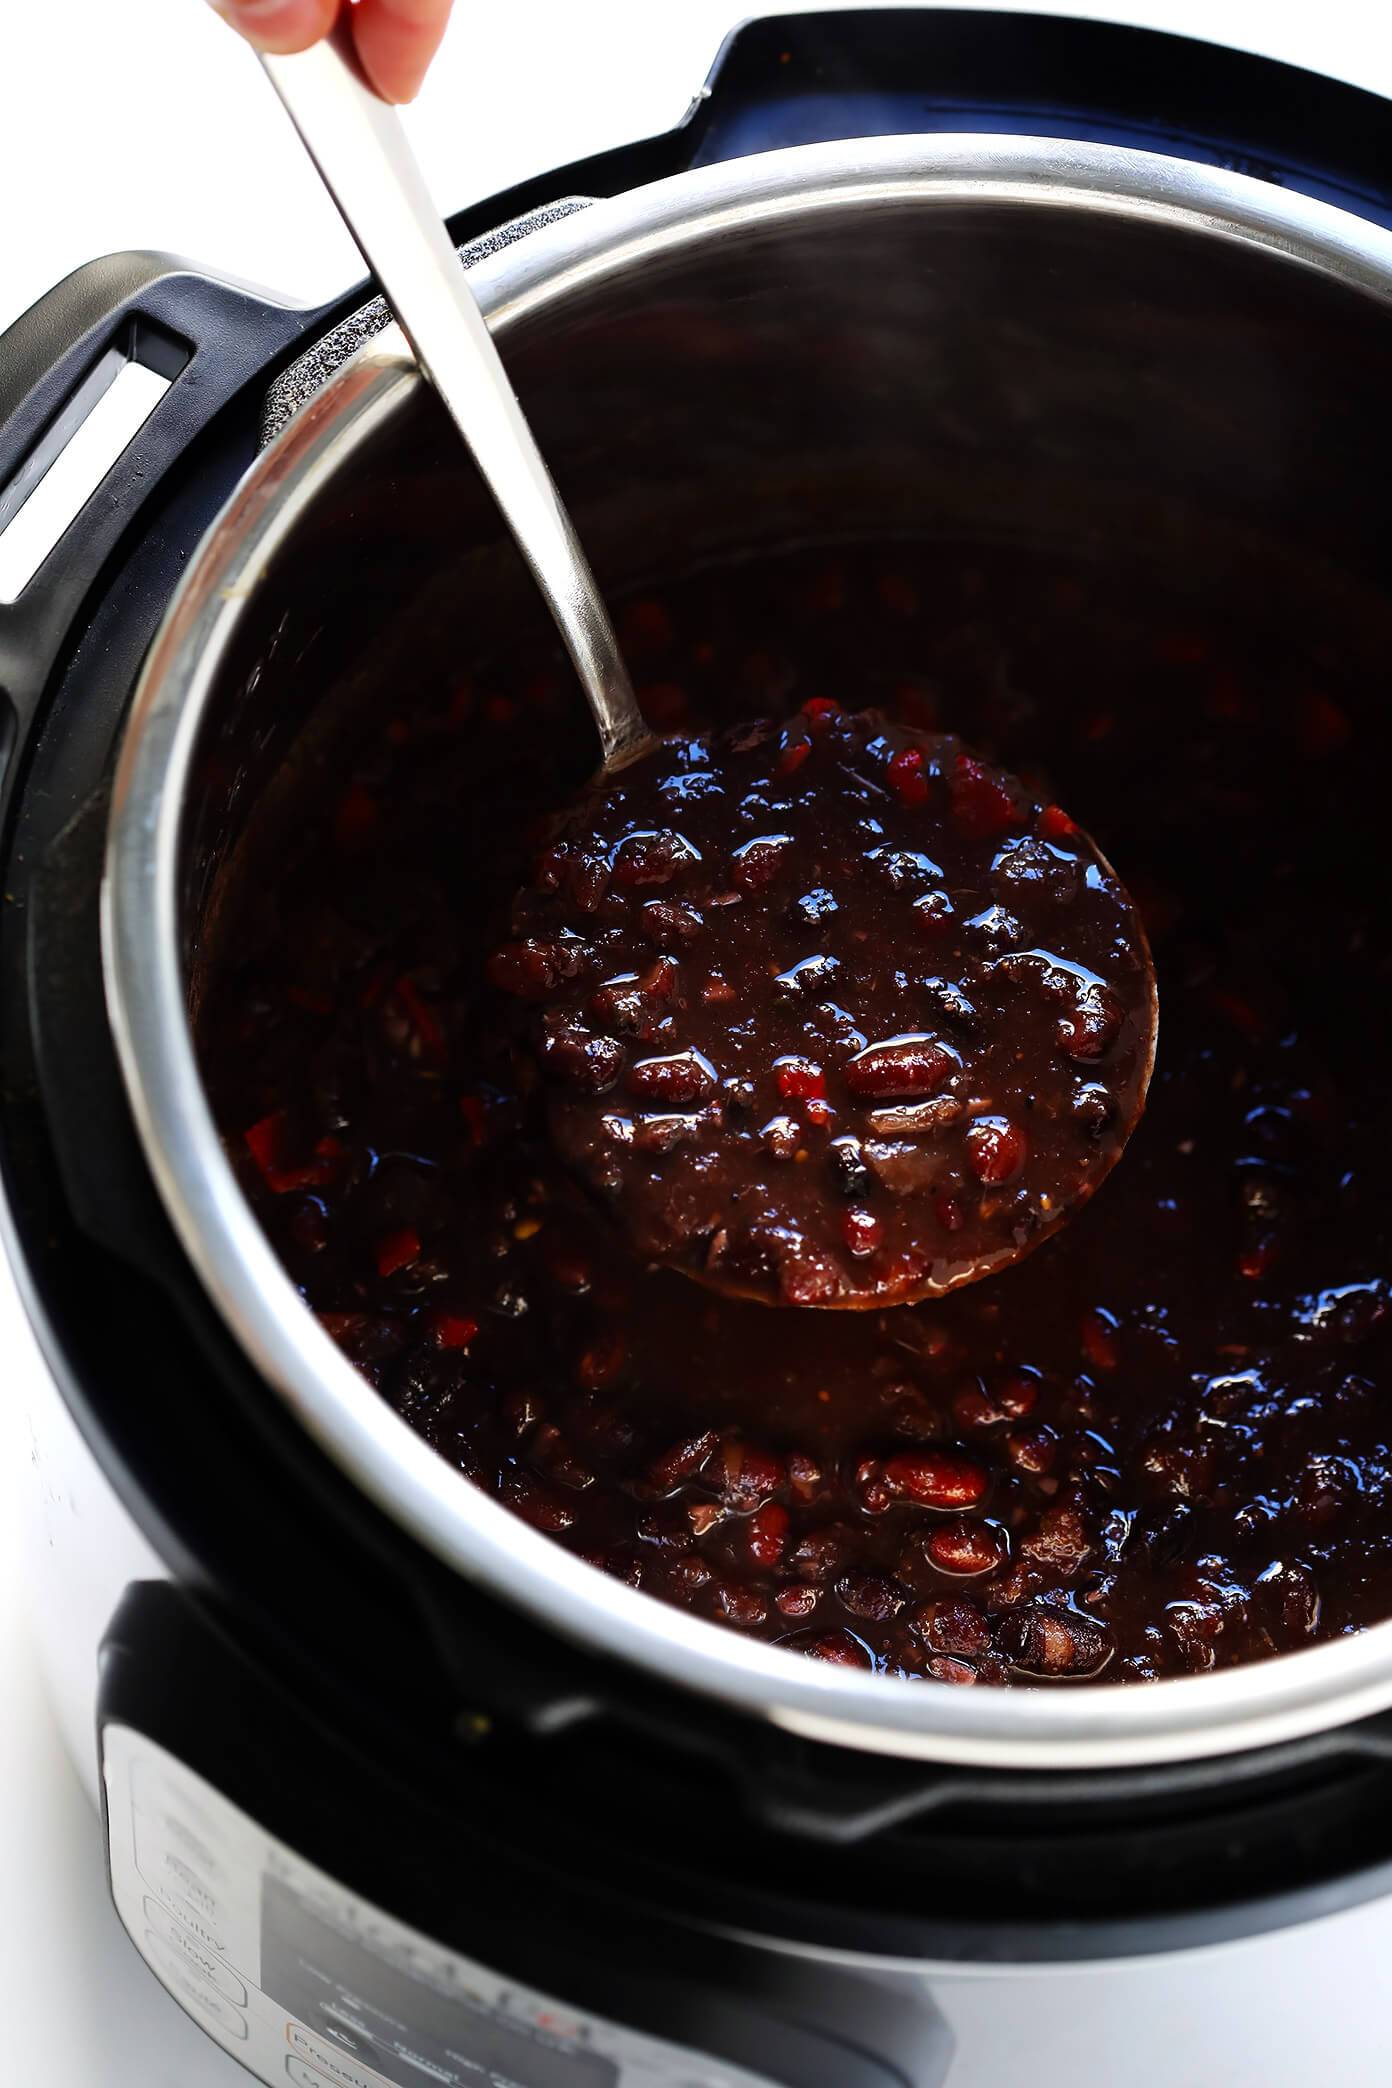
821,707
452,1330
907,778
1054,824
266,1141
799,1078
982,807
794,752
397,1250
861,1231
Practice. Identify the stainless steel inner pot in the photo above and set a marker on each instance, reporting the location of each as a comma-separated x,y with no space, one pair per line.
952,334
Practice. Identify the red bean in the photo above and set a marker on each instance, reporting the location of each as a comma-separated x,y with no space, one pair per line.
669,925
947,1667
689,1575
746,1473
682,1462
871,1595
602,1361
821,1552
651,859
1091,1026
914,1065
936,1478
587,1064
934,916
675,1081
538,1505
765,1534
966,1547
743,1607
756,863
1043,1640
1032,1450
954,1626
840,1648
996,1149
666,1531
534,970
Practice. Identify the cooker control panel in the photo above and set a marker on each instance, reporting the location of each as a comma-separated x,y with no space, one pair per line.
306,1983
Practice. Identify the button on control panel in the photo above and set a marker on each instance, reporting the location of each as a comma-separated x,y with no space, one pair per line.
305,1983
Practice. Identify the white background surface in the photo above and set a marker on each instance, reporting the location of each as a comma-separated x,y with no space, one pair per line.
145,124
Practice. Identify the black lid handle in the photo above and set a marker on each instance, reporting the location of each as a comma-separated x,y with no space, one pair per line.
205,337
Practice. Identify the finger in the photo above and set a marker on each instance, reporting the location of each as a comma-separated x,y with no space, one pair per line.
279,25
396,40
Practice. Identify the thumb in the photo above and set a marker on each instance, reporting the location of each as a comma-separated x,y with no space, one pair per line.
279,25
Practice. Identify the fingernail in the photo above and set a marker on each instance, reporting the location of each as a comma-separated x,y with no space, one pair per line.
256,12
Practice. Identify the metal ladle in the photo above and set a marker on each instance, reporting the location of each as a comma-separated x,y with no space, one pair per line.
357,142
359,145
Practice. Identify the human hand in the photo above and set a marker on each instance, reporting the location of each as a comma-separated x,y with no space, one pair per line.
395,39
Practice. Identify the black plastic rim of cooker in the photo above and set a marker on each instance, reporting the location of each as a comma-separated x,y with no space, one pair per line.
307,1656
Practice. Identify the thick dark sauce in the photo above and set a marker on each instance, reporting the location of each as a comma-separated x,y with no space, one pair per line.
831,1012
1159,1445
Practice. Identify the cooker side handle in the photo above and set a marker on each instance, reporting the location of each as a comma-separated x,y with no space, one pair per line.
202,337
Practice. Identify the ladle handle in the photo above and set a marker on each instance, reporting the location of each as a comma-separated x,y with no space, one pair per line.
360,148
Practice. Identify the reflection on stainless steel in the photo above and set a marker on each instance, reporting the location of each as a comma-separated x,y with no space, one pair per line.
360,148
951,334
